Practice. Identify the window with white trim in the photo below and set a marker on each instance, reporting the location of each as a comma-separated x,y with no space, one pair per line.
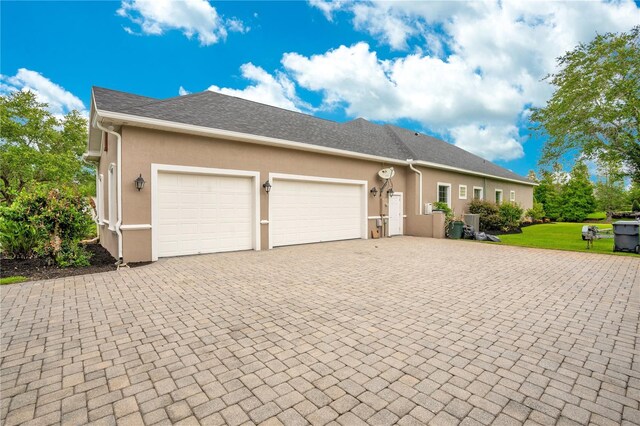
462,192
444,193
512,196
100,199
498,196
478,193
112,196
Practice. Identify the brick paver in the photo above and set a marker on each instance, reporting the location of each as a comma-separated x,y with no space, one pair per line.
402,330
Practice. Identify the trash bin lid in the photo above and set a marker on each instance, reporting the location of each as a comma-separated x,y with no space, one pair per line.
627,222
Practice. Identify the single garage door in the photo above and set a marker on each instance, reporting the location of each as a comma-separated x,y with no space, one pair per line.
203,214
308,212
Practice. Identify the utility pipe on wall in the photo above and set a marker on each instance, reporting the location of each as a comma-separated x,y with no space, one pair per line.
420,206
118,180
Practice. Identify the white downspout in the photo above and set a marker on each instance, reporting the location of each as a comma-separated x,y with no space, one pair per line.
118,181
420,207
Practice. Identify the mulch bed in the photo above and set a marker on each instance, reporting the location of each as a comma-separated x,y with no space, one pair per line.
37,269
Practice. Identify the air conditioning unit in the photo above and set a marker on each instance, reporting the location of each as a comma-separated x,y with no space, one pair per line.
428,208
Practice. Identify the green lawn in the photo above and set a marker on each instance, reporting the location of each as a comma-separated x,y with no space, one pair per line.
12,280
597,216
560,236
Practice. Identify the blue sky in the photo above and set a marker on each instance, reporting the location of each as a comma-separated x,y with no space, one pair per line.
465,72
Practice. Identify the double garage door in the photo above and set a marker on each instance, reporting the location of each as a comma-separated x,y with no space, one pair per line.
203,213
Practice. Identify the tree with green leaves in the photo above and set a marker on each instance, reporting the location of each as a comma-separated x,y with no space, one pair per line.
547,193
634,196
38,148
576,196
595,109
609,189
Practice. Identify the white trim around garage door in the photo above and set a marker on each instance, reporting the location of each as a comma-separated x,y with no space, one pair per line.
363,183
155,168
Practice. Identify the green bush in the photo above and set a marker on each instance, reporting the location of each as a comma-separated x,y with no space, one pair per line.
496,217
488,211
536,212
511,215
444,207
482,207
18,239
52,223
490,222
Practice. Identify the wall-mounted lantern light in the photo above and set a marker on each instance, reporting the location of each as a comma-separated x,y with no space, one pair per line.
139,182
390,192
374,191
267,186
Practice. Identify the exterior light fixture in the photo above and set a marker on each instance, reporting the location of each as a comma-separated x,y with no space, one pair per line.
139,182
374,191
267,186
390,192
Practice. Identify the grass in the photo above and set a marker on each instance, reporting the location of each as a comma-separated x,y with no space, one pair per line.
13,280
597,216
559,236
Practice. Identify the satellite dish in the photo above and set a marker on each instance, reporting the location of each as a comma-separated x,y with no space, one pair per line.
387,173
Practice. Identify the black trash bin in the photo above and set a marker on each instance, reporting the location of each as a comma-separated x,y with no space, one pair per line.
626,236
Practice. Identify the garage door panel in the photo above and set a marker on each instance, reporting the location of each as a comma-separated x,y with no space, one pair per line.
204,213
305,212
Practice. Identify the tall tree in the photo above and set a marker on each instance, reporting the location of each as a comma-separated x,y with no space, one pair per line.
547,193
37,147
595,108
576,196
609,189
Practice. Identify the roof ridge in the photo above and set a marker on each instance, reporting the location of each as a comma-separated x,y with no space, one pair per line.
390,129
272,106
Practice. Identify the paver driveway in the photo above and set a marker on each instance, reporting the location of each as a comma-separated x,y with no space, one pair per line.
404,330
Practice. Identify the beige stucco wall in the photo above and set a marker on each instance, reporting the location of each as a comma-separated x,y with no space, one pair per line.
431,178
143,147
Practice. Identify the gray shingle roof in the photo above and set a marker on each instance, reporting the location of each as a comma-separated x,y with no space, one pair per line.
214,110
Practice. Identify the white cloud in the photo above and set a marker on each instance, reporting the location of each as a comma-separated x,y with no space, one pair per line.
59,100
392,29
498,142
277,91
182,91
193,17
475,71
327,7
446,97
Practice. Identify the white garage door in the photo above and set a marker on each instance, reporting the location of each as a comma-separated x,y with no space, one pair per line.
203,214
307,212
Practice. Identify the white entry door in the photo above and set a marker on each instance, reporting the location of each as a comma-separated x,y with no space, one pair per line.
200,213
309,211
395,214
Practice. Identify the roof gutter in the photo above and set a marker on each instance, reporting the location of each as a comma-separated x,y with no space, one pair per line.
470,172
410,162
118,137
154,123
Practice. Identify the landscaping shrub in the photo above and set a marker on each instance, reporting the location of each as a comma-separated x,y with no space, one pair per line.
49,223
444,207
18,239
494,217
490,222
536,213
488,211
511,215
482,207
